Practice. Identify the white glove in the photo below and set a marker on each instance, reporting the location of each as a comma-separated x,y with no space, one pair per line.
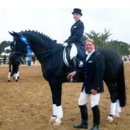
65,44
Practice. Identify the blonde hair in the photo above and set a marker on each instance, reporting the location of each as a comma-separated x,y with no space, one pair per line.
90,40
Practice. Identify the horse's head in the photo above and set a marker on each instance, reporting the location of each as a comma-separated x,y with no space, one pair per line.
20,45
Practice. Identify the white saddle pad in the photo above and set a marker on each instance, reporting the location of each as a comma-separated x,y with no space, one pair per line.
66,61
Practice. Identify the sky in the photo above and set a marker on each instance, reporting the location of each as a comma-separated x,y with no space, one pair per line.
55,18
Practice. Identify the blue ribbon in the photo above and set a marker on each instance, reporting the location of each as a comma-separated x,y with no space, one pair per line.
24,40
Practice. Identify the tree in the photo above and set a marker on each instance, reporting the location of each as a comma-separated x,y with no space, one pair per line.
100,39
3,45
120,47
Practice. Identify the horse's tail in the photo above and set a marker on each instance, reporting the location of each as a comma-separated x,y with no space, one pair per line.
121,87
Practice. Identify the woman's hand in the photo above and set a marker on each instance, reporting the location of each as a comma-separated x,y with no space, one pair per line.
93,92
71,75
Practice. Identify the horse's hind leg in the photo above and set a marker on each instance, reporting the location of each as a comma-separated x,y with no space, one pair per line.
115,107
16,72
118,108
18,75
9,73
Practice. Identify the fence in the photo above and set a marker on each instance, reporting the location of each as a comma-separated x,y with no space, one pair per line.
2,61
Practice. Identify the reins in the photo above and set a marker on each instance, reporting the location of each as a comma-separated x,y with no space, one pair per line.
48,53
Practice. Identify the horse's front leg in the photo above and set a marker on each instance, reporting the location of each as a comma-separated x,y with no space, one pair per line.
54,115
56,89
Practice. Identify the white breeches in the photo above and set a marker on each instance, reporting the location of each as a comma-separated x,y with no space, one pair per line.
73,51
84,98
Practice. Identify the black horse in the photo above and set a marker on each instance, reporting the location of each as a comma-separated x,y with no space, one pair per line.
13,68
17,51
55,71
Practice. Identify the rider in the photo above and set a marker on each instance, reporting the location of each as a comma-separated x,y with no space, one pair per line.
75,38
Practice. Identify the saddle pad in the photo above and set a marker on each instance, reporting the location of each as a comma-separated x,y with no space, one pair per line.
66,61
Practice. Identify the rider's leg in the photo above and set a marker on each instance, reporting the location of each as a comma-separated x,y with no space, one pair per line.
73,54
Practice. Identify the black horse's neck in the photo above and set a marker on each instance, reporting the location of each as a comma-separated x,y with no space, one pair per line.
41,45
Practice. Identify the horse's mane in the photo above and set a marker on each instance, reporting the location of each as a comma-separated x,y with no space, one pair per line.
45,37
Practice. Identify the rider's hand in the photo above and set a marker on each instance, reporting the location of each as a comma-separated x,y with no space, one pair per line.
69,45
65,44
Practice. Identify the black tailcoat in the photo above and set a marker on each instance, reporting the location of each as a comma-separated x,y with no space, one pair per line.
77,30
93,72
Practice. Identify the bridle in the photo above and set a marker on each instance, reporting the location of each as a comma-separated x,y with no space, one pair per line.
18,52
24,43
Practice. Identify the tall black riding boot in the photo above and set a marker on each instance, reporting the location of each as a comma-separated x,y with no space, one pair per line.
74,67
96,118
84,118
73,63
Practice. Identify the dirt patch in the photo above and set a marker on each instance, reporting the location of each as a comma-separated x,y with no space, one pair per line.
27,104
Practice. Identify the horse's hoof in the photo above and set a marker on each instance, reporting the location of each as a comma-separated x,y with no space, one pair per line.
16,80
109,119
117,115
57,122
9,81
52,120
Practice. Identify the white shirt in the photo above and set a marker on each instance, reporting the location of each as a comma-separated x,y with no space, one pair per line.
89,54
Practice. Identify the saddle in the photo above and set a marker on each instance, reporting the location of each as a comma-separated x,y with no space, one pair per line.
66,58
67,61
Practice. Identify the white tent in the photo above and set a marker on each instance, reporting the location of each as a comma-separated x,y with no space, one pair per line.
7,48
3,53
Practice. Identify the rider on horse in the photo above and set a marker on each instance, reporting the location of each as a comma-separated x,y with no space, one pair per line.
75,38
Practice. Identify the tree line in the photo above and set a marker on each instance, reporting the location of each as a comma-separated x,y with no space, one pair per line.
101,41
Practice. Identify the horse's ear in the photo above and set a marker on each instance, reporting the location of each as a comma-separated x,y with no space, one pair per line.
11,33
16,34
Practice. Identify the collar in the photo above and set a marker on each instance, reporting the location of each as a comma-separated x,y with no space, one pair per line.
76,21
89,54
